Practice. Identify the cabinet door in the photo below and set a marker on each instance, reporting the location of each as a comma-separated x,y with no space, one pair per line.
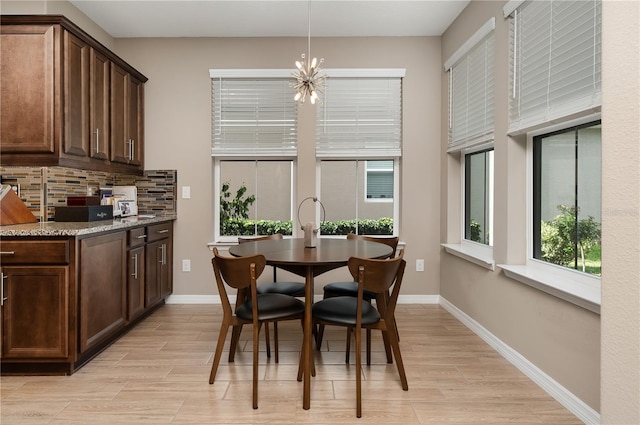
119,145
76,96
153,269
166,283
28,81
135,122
136,282
35,312
103,293
99,105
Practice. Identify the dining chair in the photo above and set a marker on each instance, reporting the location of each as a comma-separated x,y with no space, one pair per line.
294,289
242,273
350,289
378,277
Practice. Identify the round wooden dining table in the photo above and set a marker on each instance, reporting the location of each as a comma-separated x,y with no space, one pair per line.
293,256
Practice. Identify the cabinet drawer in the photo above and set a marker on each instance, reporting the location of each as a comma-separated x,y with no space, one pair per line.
137,236
159,231
34,252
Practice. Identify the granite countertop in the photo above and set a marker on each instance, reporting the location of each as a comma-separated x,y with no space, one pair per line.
53,228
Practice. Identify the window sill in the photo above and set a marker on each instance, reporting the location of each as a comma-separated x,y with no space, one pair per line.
573,287
480,255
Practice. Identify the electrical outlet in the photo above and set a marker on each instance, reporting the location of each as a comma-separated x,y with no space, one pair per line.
186,192
420,265
186,265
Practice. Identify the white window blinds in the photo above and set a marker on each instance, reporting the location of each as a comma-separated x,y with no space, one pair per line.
555,69
471,82
253,117
360,118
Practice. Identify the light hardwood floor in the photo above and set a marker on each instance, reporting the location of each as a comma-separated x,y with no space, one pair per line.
158,374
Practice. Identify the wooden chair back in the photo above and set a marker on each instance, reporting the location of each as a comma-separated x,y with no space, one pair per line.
391,241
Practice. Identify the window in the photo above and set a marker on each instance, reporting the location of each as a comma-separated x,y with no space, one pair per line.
471,134
379,181
555,100
358,146
254,138
555,55
255,197
567,198
347,210
478,192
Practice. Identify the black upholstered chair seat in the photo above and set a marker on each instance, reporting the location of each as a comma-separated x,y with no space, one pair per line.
271,307
293,289
347,289
342,311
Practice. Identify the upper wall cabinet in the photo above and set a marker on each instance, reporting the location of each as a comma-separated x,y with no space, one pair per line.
66,99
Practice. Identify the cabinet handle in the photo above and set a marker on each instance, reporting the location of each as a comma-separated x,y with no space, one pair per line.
97,133
7,253
163,231
163,254
2,297
135,266
131,149
142,236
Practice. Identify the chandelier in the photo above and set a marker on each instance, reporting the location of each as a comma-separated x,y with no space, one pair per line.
309,81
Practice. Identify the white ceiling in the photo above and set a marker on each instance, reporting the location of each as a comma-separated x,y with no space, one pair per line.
271,18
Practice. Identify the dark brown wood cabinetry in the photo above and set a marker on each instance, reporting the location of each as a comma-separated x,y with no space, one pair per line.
36,288
64,299
136,272
66,99
158,263
103,287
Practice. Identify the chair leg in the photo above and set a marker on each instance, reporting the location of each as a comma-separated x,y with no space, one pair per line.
368,347
235,337
319,337
266,339
393,339
358,374
348,347
216,358
275,338
256,336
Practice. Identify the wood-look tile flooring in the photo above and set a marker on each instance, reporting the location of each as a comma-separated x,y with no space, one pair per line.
158,374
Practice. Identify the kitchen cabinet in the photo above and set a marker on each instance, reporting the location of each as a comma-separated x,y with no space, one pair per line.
136,272
103,291
158,263
35,300
66,298
126,109
67,100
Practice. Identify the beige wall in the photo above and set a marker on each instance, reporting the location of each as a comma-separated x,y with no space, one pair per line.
561,339
178,127
620,392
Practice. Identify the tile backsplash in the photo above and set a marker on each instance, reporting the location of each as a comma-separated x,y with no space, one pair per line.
44,188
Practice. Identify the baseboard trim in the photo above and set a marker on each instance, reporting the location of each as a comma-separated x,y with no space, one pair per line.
565,397
215,299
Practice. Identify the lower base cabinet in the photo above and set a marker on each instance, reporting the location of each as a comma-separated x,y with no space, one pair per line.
103,287
35,312
66,299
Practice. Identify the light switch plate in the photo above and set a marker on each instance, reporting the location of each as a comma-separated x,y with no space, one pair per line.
186,265
186,192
